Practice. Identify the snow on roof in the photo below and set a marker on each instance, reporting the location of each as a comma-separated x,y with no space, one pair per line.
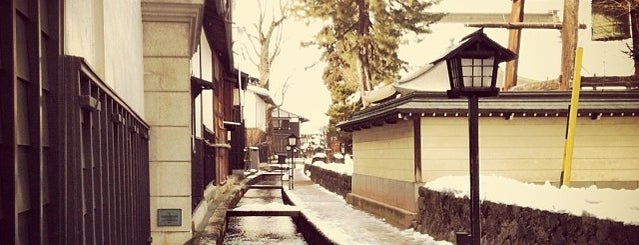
261,92
617,205
281,113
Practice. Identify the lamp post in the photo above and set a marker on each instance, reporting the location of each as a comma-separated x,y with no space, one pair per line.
472,70
290,146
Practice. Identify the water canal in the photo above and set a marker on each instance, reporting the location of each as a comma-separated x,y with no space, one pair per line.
263,225
262,229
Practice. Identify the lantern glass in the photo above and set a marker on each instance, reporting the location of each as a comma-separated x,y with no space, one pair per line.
477,73
292,140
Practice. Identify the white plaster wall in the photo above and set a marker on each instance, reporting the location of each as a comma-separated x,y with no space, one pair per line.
202,67
124,69
108,35
249,110
254,111
84,32
531,149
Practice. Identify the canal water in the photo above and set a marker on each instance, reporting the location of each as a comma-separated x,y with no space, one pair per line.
263,229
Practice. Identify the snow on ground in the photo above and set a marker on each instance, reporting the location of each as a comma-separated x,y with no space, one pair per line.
266,207
617,205
347,225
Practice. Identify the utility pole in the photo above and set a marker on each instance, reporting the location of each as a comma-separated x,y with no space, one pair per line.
568,36
514,37
568,41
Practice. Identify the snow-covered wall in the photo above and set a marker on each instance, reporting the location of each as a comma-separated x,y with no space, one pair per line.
339,183
441,214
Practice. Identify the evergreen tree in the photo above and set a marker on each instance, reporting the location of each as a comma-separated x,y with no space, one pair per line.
360,39
363,36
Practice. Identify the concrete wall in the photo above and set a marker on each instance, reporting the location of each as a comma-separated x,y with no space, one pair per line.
108,35
531,149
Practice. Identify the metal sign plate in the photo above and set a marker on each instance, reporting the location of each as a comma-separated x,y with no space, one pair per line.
169,217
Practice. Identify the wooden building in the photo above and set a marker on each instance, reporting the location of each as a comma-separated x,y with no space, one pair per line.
284,124
257,101
105,106
401,144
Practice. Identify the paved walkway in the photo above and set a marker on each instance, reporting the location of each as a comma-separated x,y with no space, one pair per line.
342,223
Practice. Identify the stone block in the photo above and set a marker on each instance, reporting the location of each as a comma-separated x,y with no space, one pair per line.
167,74
170,144
166,39
170,178
168,108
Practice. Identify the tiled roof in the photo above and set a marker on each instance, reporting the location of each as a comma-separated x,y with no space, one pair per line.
593,104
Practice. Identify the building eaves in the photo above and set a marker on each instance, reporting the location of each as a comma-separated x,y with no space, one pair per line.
594,104
217,28
281,113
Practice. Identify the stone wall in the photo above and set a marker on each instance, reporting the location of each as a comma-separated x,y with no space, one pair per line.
332,181
441,214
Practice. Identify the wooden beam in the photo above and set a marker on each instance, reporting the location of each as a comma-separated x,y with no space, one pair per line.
417,149
470,18
521,25
514,40
568,41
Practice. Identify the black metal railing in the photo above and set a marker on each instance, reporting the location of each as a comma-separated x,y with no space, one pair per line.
105,174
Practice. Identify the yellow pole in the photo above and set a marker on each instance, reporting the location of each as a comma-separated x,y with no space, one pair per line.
572,120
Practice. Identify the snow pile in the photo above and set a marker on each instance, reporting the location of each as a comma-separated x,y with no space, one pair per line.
266,207
338,168
617,205
341,168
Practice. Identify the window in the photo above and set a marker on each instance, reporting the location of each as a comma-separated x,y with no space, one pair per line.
281,124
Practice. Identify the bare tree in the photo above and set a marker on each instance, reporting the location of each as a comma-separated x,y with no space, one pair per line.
631,7
267,39
265,44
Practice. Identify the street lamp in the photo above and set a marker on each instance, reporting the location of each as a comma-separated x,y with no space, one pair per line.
291,146
472,70
292,141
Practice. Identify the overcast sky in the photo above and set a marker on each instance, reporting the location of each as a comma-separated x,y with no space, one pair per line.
539,58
